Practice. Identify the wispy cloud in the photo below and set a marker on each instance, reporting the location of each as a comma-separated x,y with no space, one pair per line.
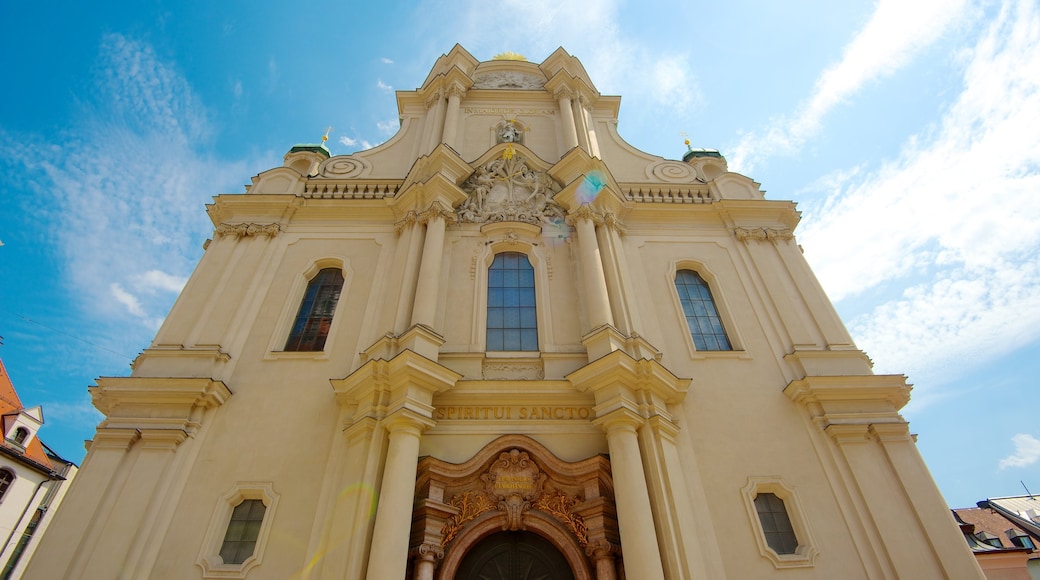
385,60
126,185
591,30
952,220
1027,452
895,33
80,414
388,127
355,144
383,86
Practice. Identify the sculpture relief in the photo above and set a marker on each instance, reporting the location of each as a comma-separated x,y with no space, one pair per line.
508,80
506,189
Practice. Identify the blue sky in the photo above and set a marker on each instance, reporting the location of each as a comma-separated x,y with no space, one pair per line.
909,133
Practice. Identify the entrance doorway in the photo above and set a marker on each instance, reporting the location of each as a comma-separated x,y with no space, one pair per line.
514,556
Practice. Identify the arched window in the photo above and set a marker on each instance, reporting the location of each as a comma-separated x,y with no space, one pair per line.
6,479
314,318
701,315
512,319
20,435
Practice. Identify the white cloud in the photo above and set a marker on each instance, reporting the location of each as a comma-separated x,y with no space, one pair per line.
895,33
124,191
385,60
383,86
953,220
159,280
388,127
1027,452
349,142
81,414
133,305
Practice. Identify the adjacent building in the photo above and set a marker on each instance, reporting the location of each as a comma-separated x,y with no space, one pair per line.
1004,533
505,343
33,480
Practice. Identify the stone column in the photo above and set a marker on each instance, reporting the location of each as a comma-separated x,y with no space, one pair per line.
426,560
388,559
596,295
428,285
411,233
451,119
602,555
635,520
435,109
570,132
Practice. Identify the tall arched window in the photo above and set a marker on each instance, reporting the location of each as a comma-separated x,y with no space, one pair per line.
20,435
701,315
314,318
6,478
512,319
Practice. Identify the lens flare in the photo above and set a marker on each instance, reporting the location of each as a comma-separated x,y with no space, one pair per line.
591,185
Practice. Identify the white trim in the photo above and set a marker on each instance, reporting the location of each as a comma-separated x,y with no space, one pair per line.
291,307
805,554
209,555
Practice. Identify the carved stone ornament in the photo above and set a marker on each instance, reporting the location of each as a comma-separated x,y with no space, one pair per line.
244,230
506,189
515,480
561,506
508,80
469,505
763,234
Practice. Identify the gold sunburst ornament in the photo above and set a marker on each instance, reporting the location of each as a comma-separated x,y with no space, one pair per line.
509,55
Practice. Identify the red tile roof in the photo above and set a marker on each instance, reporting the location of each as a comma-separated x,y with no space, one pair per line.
10,404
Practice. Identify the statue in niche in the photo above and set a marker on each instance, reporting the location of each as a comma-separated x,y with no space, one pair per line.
510,131
506,189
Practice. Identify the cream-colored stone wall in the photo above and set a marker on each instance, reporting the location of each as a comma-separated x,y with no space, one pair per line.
215,411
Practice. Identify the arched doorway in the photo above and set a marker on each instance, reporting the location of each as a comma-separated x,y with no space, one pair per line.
514,556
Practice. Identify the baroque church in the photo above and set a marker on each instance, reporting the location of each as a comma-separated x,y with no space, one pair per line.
504,344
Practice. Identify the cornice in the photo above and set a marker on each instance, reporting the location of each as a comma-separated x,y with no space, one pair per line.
847,407
156,402
774,235
642,386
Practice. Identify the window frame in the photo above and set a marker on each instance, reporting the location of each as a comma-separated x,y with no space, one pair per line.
488,306
806,552
291,307
524,239
736,348
5,489
209,559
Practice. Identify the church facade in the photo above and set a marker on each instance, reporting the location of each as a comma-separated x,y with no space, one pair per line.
503,344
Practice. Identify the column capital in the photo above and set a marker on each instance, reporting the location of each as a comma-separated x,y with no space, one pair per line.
407,421
620,420
583,213
436,210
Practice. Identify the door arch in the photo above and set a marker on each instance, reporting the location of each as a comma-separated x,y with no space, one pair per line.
516,555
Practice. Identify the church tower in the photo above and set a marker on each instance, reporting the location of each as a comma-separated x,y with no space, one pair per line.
504,342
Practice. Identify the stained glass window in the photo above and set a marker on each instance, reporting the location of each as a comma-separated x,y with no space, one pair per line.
314,318
702,317
512,319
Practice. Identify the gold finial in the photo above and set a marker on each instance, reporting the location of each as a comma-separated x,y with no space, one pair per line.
686,140
509,152
325,137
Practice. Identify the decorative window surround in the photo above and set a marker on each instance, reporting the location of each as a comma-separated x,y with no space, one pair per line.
209,559
291,308
722,308
805,554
